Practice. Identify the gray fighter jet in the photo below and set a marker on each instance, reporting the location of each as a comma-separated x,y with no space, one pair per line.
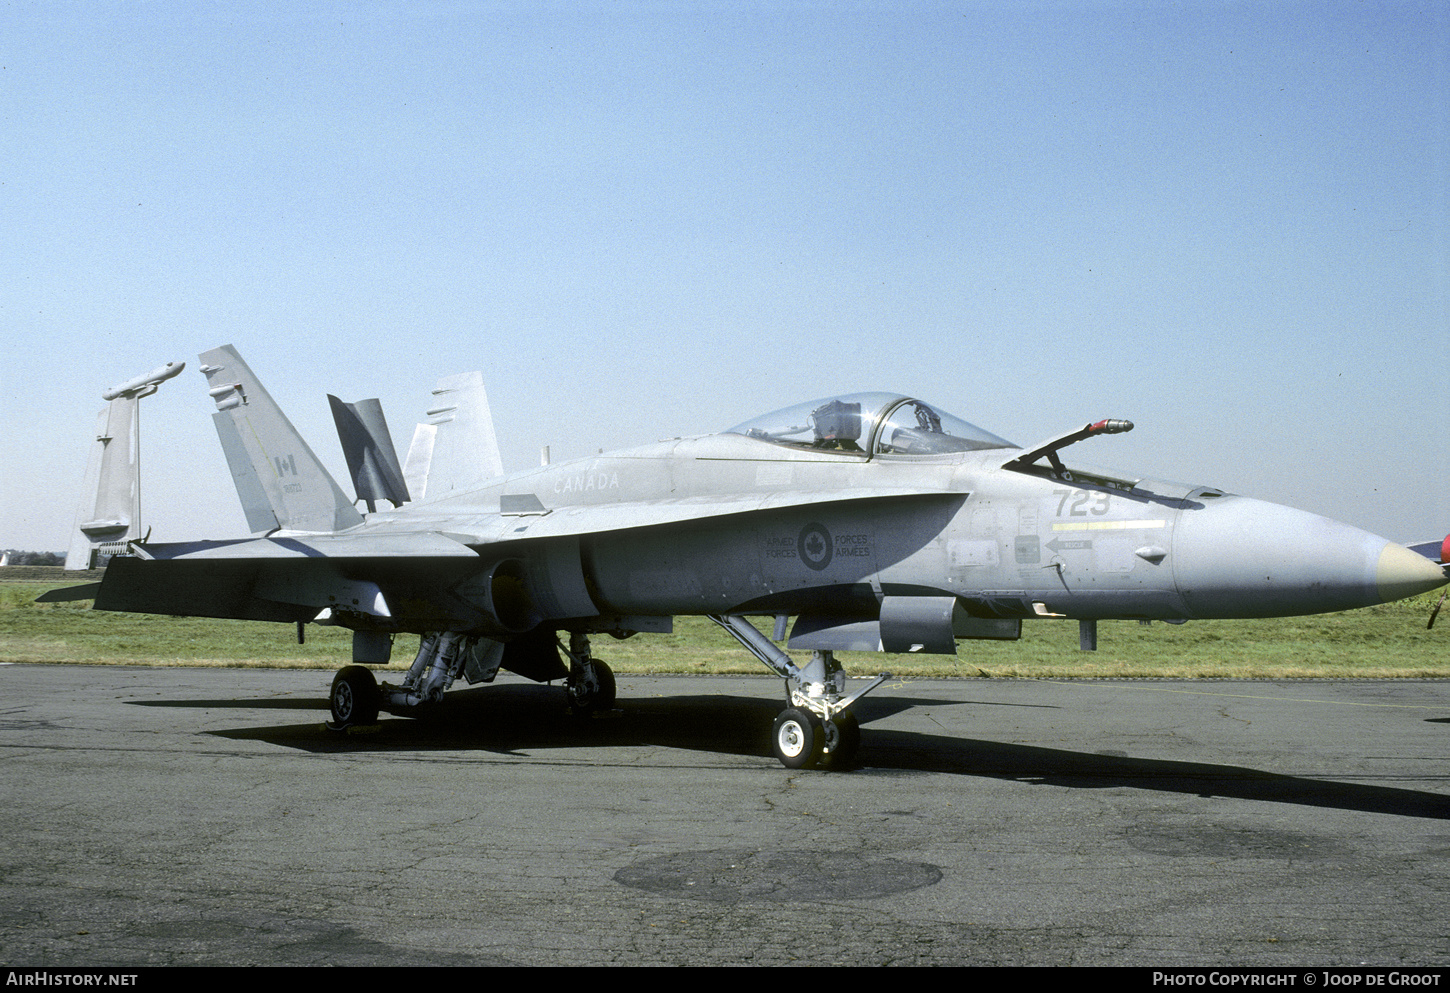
877,521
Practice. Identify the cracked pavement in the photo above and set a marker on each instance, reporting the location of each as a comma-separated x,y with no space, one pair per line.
206,817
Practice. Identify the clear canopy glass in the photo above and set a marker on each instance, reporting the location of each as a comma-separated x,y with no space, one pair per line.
870,424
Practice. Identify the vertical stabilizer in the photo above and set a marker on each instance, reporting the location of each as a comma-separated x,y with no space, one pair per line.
107,514
456,449
280,481
371,459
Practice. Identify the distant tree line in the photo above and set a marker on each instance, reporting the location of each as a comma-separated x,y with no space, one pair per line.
17,557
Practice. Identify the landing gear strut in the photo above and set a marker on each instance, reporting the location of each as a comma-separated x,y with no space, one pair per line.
444,656
590,684
816,729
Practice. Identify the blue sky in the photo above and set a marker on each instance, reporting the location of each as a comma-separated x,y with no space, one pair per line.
1224,221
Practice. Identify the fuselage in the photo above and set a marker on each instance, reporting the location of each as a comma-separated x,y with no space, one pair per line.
732,524
874,519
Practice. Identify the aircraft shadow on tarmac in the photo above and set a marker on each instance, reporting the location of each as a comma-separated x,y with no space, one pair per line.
525,719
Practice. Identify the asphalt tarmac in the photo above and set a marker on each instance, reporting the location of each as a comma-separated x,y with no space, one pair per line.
207,817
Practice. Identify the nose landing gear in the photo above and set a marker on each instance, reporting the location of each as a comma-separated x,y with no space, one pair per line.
816,730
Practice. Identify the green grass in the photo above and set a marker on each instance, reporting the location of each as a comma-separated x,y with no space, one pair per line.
1388,641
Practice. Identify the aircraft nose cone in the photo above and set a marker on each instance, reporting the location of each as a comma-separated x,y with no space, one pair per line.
1401,573
1237,557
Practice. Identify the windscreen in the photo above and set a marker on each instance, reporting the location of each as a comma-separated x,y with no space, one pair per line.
870,423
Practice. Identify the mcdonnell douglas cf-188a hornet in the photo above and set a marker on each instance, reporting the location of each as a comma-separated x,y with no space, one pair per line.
877,521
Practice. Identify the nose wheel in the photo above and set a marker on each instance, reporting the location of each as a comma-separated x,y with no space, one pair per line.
842,741
797,738
817,728
801,740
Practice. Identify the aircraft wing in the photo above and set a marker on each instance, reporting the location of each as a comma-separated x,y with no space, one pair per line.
381,572
286,578
524,516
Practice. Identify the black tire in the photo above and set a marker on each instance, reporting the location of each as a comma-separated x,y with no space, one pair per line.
797,738
585,700
842,741
354,697
606,697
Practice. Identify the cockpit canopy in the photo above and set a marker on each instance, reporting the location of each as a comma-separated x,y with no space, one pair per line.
870,424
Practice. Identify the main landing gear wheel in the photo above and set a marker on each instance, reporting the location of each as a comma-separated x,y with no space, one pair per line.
591,691
354,697
797,739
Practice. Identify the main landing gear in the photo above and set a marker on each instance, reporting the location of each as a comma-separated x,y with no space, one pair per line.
356,696
443,656
816,730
